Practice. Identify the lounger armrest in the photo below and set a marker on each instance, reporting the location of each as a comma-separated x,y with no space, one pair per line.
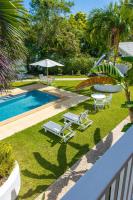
66,126
69,135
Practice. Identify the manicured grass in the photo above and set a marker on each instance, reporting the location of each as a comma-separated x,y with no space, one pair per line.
43,157
30,82
23,83
66,85
71,76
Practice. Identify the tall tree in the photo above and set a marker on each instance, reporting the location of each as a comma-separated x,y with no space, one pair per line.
78,24
106,27
48,26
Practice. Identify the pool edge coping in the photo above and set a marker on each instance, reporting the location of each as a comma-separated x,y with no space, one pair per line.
19,116
70,99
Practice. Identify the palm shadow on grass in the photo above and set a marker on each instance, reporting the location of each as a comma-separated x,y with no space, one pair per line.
102,145
56,170
39,189
53,139
75,174
126,127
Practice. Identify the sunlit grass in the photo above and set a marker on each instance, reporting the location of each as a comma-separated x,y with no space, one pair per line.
43,157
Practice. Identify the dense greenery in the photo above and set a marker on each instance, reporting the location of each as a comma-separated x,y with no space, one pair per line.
43,157
7,160
55,33
11,38
107,27
52,32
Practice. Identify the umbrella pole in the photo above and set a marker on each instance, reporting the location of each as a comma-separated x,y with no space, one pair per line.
47,75
47,72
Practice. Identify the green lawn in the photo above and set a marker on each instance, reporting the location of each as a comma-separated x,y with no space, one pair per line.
43,157
71,76
23,83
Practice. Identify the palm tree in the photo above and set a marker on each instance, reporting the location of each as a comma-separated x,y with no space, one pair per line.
11,37
110,25
111,75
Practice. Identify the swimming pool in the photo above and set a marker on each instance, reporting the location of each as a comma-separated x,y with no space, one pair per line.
11,106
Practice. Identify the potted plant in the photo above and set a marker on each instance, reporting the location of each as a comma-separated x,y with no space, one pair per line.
9,174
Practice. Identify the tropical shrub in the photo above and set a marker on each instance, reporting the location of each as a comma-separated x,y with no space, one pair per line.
6,160
107,27
82,63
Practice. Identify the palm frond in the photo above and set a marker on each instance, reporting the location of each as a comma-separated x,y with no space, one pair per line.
12,23
6,72
108,70
12,36
95,80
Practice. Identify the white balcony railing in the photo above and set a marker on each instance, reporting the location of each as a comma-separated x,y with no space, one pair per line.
111,178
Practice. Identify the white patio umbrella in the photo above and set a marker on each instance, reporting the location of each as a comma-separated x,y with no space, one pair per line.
46,63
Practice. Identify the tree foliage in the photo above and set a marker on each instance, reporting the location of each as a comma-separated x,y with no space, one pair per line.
106,27
53,32
11,38
11,27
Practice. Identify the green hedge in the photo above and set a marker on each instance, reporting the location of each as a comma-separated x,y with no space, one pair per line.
80,64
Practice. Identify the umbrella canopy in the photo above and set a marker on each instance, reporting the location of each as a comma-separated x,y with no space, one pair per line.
46,63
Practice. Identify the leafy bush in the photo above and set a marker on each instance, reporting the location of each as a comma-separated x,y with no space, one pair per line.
6,160
82,63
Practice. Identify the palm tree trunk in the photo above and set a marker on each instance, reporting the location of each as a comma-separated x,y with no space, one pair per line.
128,98
116,45
131,114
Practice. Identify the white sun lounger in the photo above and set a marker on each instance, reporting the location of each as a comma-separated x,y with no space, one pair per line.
59,130
46,79
82,120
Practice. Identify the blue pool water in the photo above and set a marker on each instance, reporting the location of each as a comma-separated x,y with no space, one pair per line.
11,106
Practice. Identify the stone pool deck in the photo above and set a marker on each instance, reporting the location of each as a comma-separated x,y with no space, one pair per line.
58,189
21,122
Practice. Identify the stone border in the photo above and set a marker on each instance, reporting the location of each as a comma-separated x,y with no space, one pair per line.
64,183
7,121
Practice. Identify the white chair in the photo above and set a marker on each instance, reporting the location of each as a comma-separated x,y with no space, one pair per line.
65,132
99,103
21,76
42,78
82,120
108,99
46,79
50,80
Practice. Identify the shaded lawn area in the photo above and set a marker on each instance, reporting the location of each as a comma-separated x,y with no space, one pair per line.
43,157
23,83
